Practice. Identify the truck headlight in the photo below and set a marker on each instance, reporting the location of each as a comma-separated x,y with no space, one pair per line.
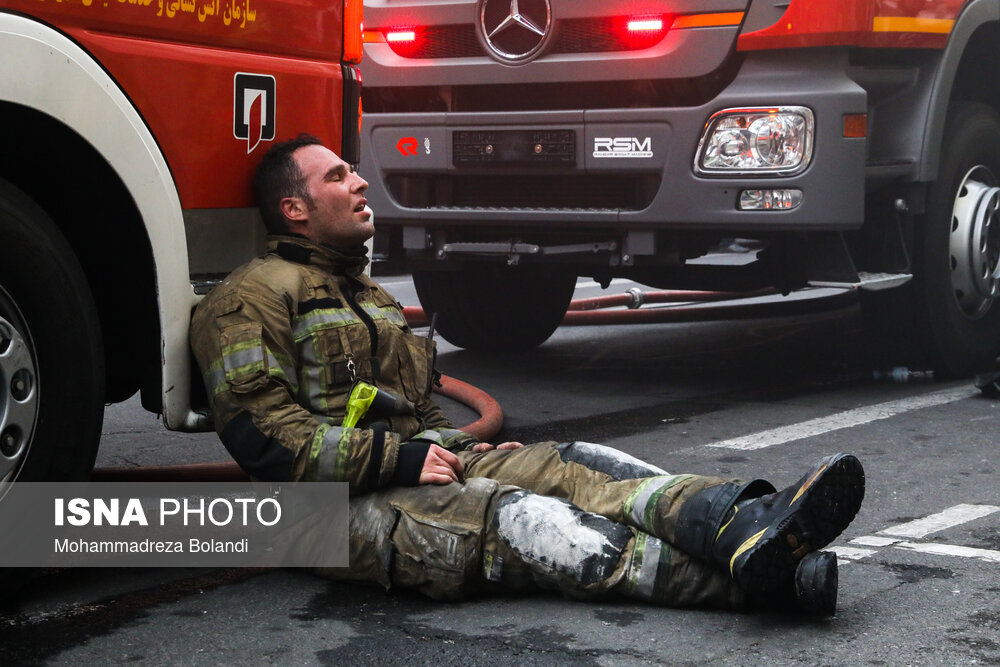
756,141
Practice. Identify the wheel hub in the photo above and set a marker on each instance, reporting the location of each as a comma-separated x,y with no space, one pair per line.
18,388
975,243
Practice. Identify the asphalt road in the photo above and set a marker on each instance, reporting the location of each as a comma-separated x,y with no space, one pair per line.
920,566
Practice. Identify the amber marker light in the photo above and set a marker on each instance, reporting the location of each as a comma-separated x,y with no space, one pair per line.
855,125
708,20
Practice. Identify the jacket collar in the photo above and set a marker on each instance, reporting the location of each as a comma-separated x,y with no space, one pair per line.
301,250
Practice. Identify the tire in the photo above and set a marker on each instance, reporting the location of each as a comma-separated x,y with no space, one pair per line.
493,307
947,318
51,354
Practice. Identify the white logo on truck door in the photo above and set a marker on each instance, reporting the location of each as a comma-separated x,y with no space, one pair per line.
623,147
253,108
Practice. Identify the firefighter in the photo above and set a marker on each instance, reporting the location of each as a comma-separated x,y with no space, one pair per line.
282,341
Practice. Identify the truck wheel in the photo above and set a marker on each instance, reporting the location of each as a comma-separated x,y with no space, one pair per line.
496,308
51,355
948,315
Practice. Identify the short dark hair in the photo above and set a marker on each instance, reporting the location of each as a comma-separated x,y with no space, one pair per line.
278,176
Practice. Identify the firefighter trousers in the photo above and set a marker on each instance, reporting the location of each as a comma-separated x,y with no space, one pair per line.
583,519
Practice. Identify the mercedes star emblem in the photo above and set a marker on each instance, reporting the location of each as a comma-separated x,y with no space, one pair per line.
515,30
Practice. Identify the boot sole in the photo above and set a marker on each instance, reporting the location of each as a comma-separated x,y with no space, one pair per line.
826,504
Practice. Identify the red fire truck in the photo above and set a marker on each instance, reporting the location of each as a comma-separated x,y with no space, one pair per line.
528,142
130,132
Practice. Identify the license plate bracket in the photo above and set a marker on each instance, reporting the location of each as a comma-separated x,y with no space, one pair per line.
541,148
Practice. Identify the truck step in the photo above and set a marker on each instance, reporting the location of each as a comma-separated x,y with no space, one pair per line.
867,281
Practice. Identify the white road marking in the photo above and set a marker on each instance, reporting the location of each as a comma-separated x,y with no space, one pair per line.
949,518
852,553
953,516
873,541
842,420
952,550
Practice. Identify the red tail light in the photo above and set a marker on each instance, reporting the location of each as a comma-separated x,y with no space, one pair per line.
400,36
645,25
641,32
353,31
404,40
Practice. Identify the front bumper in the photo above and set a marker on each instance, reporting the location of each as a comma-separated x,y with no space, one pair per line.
401,151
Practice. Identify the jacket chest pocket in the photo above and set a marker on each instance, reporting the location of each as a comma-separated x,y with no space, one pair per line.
405,359
416,364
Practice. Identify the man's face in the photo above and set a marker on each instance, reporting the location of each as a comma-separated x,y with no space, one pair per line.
337,216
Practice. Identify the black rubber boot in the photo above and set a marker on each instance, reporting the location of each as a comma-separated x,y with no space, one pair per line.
760,539
763,540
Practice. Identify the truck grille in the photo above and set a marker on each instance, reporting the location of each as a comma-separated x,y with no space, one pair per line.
587,35
608,192
601,35
551,96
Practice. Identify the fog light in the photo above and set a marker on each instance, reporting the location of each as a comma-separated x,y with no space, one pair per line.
770,200
759,141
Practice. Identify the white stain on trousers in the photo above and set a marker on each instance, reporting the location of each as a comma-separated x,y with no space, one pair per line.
549,531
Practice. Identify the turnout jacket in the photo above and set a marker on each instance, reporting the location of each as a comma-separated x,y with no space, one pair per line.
280,344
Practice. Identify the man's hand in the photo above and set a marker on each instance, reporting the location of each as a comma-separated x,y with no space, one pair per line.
440,467
485,446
